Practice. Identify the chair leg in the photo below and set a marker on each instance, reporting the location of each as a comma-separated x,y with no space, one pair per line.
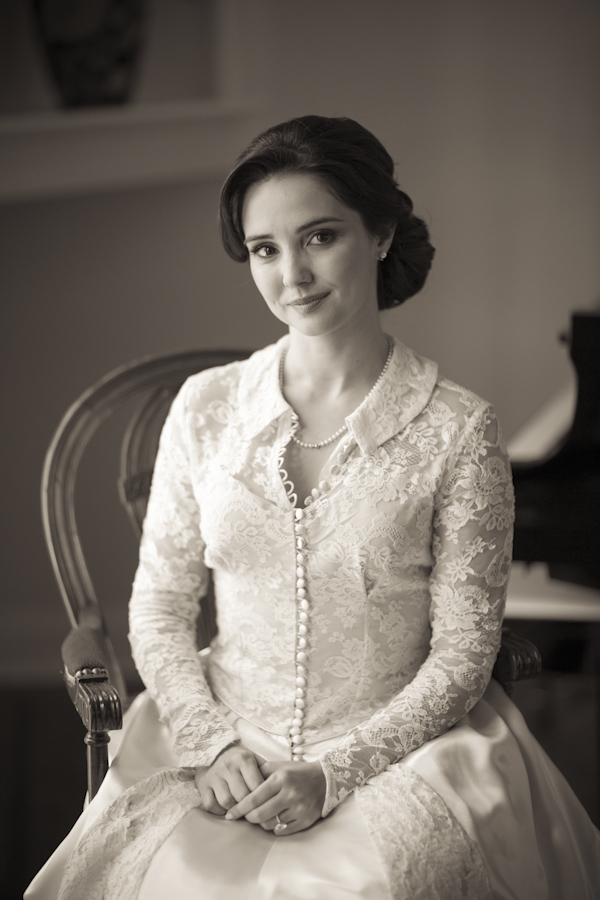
97,759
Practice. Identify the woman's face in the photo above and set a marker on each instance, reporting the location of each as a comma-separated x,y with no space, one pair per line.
311,257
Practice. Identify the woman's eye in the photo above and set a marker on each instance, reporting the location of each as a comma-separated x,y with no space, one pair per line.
322,237
263,250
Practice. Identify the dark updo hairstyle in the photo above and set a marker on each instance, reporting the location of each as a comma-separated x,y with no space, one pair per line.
359,172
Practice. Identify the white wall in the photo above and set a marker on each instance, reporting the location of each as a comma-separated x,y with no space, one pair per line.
491,112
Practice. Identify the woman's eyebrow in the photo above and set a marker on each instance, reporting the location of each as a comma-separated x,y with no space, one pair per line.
312,224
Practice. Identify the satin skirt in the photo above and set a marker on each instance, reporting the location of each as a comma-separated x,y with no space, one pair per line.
480,812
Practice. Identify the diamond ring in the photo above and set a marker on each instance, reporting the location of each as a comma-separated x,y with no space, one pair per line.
280,827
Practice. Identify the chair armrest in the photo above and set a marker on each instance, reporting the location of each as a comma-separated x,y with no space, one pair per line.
518,658
87,678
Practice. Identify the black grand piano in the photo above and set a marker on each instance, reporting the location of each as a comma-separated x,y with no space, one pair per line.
558,524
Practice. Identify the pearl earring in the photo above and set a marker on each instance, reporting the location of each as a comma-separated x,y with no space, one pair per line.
383,256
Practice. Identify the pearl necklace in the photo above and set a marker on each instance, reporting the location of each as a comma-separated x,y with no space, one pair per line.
317,445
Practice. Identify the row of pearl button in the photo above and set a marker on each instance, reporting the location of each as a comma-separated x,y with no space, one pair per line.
296,736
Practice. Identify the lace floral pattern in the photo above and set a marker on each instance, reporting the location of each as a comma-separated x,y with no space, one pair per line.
425,850
407,555
111,858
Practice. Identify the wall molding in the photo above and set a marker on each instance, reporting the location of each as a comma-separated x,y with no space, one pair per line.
48,155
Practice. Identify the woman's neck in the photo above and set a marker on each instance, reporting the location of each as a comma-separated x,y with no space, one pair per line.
329,367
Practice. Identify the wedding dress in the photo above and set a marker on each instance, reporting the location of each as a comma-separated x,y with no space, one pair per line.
369,617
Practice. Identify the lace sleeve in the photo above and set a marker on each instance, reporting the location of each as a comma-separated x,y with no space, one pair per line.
472,544
170,580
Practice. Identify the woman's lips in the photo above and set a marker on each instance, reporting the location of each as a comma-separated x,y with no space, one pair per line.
307,304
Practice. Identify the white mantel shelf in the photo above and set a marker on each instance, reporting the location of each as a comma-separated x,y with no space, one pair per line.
62,153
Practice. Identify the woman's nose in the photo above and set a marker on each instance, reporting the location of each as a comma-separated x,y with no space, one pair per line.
295,270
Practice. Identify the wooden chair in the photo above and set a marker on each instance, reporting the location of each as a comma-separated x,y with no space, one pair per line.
91,669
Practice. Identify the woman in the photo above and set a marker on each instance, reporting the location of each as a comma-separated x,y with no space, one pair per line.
342,736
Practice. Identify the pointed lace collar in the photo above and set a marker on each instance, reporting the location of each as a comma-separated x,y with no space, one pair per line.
400,396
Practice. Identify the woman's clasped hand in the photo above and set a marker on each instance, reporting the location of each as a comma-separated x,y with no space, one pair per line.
240,784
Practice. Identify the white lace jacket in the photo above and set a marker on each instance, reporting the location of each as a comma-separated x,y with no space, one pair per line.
407,556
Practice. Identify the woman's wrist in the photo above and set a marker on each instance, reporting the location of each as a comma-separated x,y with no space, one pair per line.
225,749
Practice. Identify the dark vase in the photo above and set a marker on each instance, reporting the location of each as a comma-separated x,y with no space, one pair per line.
92,47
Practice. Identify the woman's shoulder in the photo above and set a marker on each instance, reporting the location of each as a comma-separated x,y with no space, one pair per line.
442,400
458,413
223,383
461,400
464,418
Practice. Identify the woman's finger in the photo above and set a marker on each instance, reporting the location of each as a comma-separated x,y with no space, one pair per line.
268,768
210,803
238,787
295,826
251,774
263,792
266,811
223,794
270,824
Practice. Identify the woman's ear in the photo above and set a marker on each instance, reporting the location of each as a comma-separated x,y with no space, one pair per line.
384,241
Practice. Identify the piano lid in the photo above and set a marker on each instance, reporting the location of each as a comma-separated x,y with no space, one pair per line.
544,433
558,496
